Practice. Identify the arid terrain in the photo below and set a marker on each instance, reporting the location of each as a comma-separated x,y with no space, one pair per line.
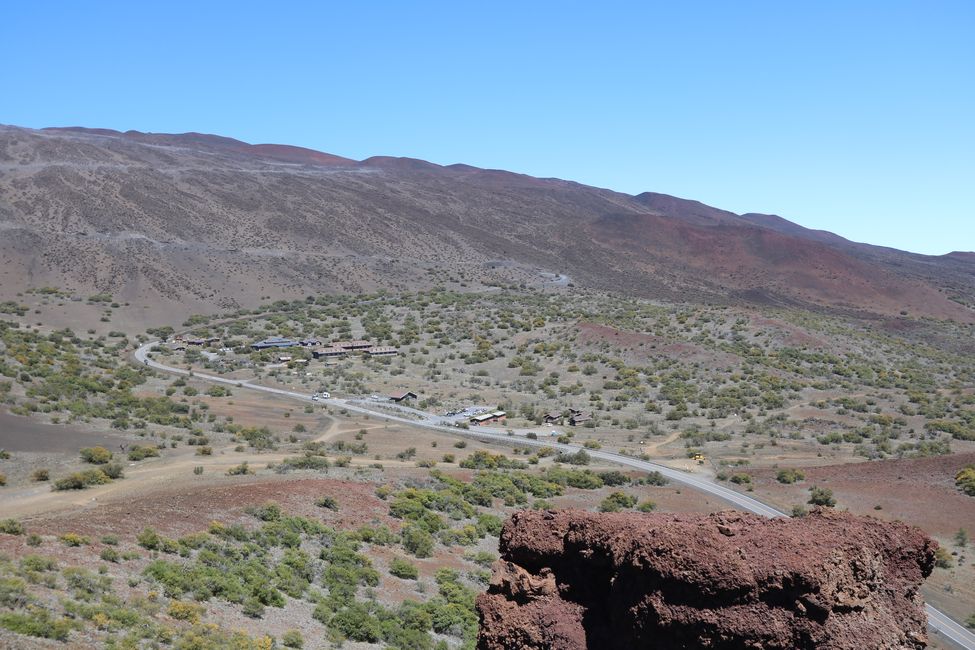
165,482
194,223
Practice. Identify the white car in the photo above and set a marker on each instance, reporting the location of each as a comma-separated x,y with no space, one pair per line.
314,398
326,395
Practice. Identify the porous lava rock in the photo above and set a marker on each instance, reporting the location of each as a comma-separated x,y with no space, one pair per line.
573,579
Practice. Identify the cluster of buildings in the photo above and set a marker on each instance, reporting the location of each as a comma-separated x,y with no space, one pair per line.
334,350
576,417
488,418
281,342
342,348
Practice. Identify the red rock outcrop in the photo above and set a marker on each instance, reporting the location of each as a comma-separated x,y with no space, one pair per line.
571,579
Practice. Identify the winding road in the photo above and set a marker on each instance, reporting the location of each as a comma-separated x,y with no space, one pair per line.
938,621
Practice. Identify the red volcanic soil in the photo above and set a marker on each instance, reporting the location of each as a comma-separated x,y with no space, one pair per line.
574,580
649,345
188,509
786,267
919,491
792,335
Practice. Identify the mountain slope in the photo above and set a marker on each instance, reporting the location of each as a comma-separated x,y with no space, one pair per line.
200,222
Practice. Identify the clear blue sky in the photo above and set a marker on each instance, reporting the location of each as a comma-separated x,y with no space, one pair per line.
857,117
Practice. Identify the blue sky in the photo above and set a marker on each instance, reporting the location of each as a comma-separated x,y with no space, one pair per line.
854,117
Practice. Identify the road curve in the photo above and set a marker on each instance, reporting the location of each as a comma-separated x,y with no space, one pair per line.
938,621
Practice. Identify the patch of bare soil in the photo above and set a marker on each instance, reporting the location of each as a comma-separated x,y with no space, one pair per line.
919,491
18,434
185,509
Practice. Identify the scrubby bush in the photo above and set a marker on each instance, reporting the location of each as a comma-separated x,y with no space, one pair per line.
183,611
965,480
417,541
403,569
788,476
617,501
578,458
81,480
37,622
293,639
655,478
141,452
240,470
74,539
327,502
11,527
614,478
96,455
820,496
942,558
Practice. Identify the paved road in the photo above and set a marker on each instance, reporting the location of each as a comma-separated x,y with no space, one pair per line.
940,622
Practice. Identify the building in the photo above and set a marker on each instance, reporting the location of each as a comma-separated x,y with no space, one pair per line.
552,417
579,417
328,353
284,359
352,345
402,395
382,352
274,342
199,341
487,418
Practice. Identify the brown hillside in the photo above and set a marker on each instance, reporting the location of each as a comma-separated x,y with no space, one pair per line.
195,222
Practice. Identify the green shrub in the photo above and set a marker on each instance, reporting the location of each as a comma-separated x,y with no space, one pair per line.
578,458
942,558
113,470
74,539
11,527
614,478
270,511
965,480
240,470
293,639
149,539
788,476
820,496
647,506
96,455
37,622
357,624
183,611
417,541
141,452
617,501
327,502
40,475
403,569
81,480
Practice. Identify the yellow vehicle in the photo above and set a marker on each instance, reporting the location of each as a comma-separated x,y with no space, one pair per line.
699,458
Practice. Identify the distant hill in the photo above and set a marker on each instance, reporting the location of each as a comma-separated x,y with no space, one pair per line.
195,222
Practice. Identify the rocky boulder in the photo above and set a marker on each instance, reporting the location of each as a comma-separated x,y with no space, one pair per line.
573,579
